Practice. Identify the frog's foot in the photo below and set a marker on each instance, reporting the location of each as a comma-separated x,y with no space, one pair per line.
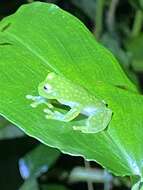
49,113
54,115
99,122
96,123
83,129
37,100
86,129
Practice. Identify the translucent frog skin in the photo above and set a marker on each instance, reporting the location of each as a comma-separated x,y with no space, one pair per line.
77,98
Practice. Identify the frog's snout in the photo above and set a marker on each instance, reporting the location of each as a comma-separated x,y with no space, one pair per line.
51,76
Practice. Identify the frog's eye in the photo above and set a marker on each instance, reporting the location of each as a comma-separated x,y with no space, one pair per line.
47,88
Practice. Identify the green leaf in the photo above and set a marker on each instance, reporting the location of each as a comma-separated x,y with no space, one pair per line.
40,38
37,161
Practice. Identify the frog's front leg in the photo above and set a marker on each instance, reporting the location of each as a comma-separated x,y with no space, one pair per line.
37,100
69,116
96,122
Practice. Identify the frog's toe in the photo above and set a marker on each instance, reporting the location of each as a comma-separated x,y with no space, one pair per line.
48,111
57,113
34,104
49,105
29,97
48,116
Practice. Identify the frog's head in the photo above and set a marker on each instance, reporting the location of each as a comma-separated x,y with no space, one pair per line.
50,88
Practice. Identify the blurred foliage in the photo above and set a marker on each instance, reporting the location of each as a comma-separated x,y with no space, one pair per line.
35,163
135,46
118,25
8,130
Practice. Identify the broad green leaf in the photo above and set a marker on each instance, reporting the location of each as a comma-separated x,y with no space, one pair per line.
37,161
40,38
135,46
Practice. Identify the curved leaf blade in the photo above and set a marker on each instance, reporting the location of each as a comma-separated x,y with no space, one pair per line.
61,43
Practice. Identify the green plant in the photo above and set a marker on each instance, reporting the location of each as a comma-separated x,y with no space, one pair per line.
40,38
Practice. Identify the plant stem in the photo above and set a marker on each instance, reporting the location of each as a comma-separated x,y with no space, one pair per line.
93,175
111,15
137,25
89,183
99,18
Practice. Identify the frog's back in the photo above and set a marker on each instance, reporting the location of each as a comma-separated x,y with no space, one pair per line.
68,91
73,92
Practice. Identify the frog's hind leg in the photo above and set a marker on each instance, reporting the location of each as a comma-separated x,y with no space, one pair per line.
96,123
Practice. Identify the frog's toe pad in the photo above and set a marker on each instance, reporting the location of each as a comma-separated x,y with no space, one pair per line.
34,105
29,97
48,116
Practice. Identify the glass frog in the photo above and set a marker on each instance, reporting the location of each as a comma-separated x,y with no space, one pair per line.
77,98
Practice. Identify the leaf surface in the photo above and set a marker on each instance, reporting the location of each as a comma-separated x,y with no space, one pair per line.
40,38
